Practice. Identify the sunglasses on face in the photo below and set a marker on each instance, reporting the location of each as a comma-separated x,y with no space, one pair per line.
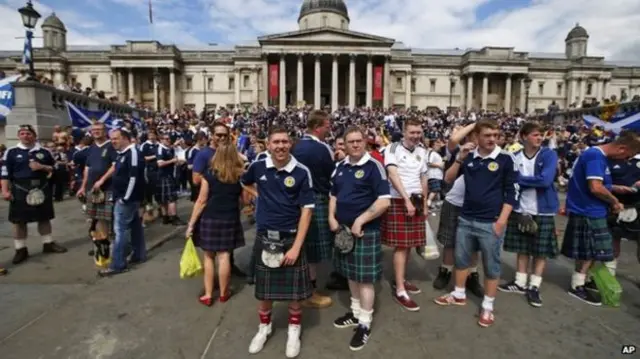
221,135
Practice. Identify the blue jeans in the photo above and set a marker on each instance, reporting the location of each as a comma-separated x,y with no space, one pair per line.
472,235
128,228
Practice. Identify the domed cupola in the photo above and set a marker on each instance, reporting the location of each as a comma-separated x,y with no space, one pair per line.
576,42
323,13
54,33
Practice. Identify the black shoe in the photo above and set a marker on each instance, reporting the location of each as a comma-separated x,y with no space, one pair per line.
176,221
533,297
474,286
591,286
586,296
251,280
346,321
442,280
166,220
360,338
21,255
3,272
235,271
53,247
338,282
512,287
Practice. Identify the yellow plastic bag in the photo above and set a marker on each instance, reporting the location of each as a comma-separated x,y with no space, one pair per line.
190,265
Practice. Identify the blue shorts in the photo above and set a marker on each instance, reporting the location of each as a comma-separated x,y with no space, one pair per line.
435,185
471,235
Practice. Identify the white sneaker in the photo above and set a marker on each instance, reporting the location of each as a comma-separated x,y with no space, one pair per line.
257,343
293,341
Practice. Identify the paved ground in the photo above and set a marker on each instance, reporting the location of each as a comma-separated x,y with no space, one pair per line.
55,307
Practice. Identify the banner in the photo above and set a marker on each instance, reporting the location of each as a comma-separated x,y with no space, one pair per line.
377,83
7,99
83,119
273,81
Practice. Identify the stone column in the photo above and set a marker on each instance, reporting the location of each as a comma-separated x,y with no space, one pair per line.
121,92
485,90
334,83
155,94
582,90
316,83
172,89
507,95
469,91
523,95
283,83
236,76
300,80
132,89
265,82
385,85
256,85
369,102
407,90
352,81
605,89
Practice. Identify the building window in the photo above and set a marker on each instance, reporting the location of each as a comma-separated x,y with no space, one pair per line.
74,80
540,88
398,83
113,83
432,85
245,81
306,24
559,89
94,82
209,83
232,83
150,82
589,89
188,83
343,24
325,21
413,85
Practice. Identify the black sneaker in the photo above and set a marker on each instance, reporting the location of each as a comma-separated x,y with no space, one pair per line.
442,280
21,255
533,297
346,321
586,296
591,286
360,338
474,286
53,247
512,287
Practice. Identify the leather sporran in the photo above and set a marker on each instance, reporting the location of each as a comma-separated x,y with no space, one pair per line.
526,224
417,199
273,249
344,240
98,197
35,197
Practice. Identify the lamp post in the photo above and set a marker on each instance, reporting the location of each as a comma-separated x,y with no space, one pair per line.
204,89
452,83
527,87
157,77
29,19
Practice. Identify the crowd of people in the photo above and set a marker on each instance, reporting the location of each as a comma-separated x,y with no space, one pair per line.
337,187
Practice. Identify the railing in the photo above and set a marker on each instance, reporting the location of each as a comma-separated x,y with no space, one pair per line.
563,117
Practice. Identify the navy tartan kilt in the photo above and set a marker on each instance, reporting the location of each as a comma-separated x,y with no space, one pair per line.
364,263
319,240
290,283
220,235
542,245
166,190
587,239
448,226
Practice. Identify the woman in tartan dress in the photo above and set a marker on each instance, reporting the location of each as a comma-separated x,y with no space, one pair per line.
359,196
217,215
539,200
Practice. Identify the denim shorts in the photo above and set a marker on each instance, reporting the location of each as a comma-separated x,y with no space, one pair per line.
471,235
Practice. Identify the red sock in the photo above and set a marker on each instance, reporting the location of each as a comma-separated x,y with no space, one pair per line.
265,317
295,316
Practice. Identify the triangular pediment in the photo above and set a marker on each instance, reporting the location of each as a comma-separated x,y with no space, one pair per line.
325,34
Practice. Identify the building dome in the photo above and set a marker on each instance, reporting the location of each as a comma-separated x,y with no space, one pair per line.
578,32
315,6
54,21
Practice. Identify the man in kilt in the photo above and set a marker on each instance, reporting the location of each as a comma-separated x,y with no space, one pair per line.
491,191
149,150
166,192
285,205
531,229
403,225
25,173
96,188
626,187
318,157
359,196
589,201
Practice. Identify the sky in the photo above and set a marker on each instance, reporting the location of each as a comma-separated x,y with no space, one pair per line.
526,25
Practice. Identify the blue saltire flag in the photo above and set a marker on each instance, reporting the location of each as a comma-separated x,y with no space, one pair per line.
243,143
7,99
83,119
621,120
26,52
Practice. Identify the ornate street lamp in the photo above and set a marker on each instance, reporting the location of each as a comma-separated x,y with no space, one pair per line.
29,19
452,83
204,88
527,88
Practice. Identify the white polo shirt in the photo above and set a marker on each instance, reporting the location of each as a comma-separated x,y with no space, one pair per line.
411,165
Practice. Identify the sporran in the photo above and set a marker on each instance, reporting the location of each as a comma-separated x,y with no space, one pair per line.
344,240
273,249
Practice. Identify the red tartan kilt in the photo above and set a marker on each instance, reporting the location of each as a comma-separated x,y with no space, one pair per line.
399,230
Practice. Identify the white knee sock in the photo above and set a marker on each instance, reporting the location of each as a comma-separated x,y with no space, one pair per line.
577,280
47,239
365,318
612,266
355,307
19,243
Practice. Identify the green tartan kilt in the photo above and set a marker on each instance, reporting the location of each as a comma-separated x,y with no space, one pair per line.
319,240
364,263
289,283
587,239
542,245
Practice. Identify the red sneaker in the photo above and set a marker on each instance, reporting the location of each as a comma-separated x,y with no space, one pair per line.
411,289
406,302
449,299
486,318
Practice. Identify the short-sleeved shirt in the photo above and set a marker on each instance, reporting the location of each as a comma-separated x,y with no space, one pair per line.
411,166
166,154
149,149
318,157
15,163
100,158
202,159
128,179
282,193
591,165
626,173
356,187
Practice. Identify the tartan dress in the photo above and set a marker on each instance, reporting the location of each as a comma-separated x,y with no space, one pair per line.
400,230
587,239
319,240
542,245
364,263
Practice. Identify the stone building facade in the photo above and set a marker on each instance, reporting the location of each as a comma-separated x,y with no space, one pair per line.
324,63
